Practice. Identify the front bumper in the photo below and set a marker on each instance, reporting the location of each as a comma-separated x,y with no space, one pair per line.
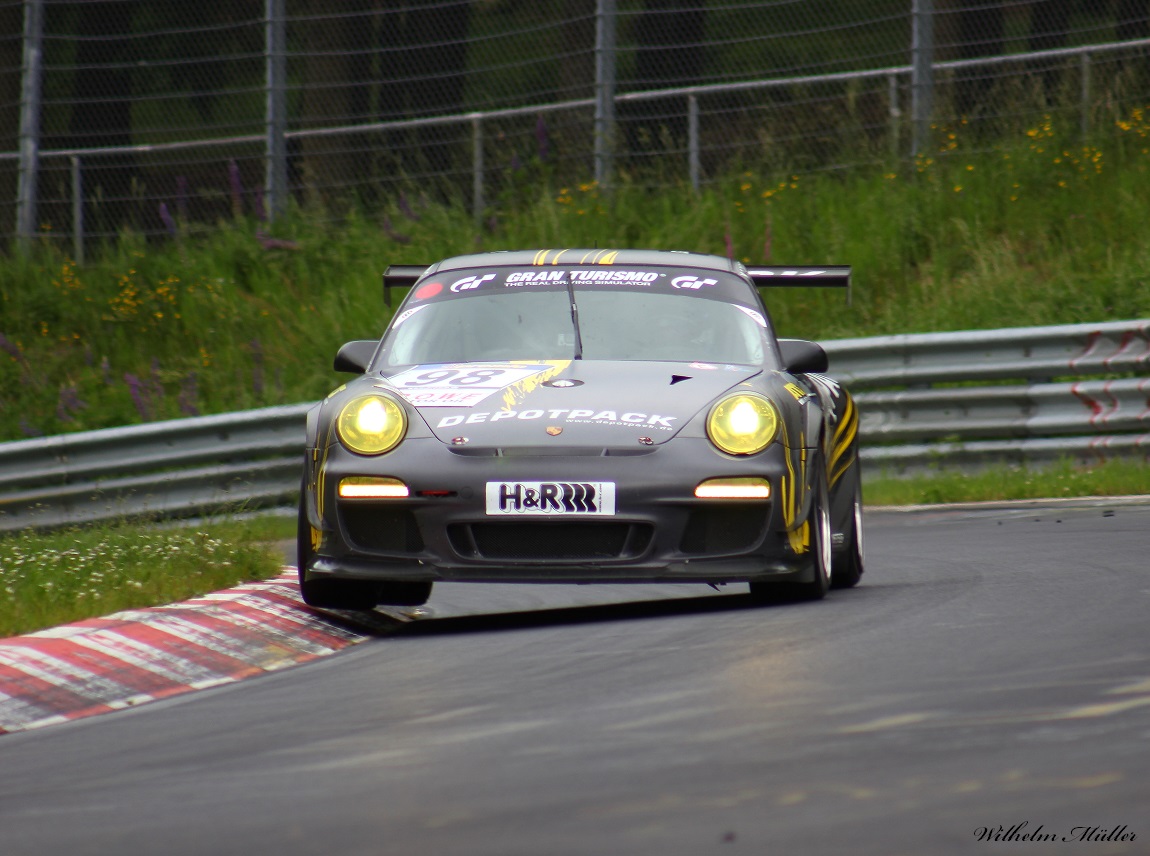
660,532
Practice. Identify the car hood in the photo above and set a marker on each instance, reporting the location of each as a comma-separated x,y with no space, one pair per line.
562,403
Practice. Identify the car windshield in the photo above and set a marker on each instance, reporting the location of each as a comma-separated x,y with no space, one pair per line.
614,324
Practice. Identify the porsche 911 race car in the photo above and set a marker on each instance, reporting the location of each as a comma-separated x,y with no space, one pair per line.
581,416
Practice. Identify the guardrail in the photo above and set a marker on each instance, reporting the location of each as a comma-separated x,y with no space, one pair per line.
252,459
1054,412
175,468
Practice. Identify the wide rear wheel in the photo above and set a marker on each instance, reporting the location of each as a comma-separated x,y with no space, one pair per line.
847,566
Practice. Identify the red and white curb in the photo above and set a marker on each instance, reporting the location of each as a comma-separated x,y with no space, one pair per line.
141,655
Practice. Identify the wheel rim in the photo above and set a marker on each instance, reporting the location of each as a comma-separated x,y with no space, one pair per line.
858,527
824,524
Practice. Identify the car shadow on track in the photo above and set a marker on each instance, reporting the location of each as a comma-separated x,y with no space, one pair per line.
384,622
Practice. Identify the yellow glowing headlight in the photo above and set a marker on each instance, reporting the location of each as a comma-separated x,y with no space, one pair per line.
743,424
371,424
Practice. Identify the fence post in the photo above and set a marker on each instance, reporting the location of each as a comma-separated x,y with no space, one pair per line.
77,211
477,202
1084,64
275,147
922,71
693,140
604,90
894,112
30,121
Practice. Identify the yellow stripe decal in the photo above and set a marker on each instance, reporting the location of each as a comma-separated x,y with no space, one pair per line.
845,434
800,538
848,414
789,486
840,471
557,255
519,390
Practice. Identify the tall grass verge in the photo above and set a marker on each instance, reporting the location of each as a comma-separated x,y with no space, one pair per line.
1043,229
48,579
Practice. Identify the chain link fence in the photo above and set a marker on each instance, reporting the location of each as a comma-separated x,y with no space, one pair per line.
154,117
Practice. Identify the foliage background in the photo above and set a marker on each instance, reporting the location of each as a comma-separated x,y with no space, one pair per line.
1048,229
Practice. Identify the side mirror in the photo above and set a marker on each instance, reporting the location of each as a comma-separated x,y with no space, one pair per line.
354,356
801,356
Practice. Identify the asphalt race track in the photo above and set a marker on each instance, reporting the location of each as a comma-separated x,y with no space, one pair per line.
991,673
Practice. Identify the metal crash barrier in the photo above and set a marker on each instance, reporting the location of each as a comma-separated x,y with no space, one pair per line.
1026,395
964,399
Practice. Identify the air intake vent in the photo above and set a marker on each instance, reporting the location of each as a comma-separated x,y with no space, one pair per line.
553,542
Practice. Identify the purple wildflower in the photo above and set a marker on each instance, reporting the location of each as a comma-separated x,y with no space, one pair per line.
12,349
405,208
543,138
270,243
106,371
182,198
155,389
516,164
730,243
236,187
261,211
389,230
28,429
257,367
189,394
69,403
166,219
139,397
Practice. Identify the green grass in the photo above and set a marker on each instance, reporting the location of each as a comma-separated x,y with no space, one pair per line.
1040,230
1044,229
1060,480
48,579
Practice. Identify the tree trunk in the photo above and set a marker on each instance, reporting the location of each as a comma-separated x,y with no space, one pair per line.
102,111
11,60
1049,26
336,45
669,37
577,73
981,27
1132,22
436,60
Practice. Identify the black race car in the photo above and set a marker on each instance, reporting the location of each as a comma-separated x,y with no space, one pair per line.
581,416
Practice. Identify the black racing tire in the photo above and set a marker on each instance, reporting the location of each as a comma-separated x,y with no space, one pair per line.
847,565
820,582
356,595
303,550
403,593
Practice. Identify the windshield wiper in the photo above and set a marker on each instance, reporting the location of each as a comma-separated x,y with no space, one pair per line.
575,320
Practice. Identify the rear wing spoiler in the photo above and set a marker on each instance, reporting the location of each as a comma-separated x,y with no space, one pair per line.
827,276
400,276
